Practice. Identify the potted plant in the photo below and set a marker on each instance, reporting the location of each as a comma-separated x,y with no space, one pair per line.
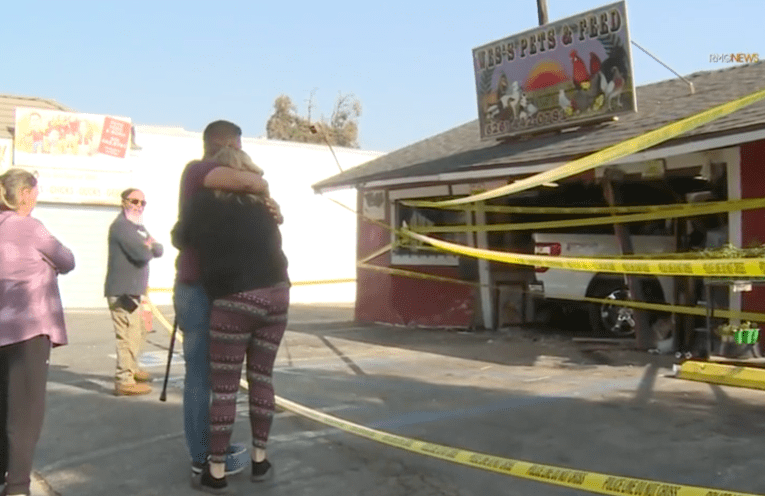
745,333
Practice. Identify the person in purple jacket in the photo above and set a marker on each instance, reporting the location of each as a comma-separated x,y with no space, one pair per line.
31,322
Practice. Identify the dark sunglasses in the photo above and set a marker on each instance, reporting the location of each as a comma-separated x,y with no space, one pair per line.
136,201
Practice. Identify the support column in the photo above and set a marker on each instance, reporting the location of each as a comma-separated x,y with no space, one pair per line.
643,337
484,271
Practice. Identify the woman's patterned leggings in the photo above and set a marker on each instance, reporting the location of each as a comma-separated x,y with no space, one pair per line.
251,323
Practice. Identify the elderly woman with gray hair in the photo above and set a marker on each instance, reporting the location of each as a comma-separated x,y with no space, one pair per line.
31,322
244,271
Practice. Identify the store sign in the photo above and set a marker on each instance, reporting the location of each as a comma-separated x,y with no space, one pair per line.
79,158
562,74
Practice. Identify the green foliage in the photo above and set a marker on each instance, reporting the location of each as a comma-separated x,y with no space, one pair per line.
731,251
341,129
754,250
730,329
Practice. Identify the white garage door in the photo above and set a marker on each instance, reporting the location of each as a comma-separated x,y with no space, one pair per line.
84,230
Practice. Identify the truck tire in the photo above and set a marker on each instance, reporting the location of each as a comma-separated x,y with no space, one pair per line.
615,320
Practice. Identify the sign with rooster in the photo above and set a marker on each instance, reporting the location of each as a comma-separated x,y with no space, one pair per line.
562,74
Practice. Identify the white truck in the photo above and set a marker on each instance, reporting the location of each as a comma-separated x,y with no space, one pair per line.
557,284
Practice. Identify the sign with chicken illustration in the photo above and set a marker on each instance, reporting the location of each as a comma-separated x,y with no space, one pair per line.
562,74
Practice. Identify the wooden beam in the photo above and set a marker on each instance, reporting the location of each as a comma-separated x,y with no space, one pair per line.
644,339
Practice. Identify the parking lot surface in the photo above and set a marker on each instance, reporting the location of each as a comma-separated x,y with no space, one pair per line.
520,393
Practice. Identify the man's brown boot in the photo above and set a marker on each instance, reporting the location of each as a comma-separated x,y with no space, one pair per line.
131,389
142,376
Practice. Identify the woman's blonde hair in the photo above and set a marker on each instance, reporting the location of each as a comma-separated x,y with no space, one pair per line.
12,182
239,160
236,159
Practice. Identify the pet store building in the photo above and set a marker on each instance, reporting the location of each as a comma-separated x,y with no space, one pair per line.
721,160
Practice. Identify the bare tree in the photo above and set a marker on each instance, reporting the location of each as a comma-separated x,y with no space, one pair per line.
344,122
341,129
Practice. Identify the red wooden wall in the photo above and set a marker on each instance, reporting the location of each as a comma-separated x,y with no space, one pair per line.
393,299
753,221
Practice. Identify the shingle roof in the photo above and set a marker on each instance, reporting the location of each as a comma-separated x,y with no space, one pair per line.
461,148
8,104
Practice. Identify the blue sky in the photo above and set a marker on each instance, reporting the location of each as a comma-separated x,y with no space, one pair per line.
186,63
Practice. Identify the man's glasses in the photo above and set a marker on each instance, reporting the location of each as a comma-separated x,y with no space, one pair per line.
137,202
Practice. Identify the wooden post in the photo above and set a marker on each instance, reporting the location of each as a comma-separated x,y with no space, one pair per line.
484,272
644,339
685,294
542,11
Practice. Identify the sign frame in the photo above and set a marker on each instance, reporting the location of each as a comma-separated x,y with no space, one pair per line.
537,80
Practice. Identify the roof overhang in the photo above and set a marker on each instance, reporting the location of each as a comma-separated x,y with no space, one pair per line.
668,150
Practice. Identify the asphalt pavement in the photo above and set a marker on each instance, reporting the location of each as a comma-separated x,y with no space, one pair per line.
518,393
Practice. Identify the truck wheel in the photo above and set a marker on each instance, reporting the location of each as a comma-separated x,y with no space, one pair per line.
608,319
616,320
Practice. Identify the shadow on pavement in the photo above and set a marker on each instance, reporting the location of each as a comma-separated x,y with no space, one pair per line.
508,346
565,411
96,444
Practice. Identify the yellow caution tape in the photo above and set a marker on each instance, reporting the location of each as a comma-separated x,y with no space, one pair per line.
640,305
400,233
370,220
612,153
733,252
375,254
593,482
415,275
719,267
681,309
555,210
687,256
161,318
721,373
686,211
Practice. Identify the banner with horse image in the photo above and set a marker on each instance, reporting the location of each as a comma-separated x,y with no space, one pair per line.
562,74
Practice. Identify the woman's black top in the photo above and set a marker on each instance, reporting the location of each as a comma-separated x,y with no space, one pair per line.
238,240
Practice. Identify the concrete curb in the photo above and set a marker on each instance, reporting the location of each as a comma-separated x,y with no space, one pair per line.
719,373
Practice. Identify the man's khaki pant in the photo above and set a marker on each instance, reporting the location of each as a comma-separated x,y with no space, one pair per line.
131,334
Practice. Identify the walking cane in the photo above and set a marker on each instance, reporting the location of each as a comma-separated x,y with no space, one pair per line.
163,395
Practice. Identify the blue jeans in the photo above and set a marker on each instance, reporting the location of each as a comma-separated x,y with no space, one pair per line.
192,312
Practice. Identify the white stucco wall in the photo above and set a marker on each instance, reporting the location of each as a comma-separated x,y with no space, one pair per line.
319,237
